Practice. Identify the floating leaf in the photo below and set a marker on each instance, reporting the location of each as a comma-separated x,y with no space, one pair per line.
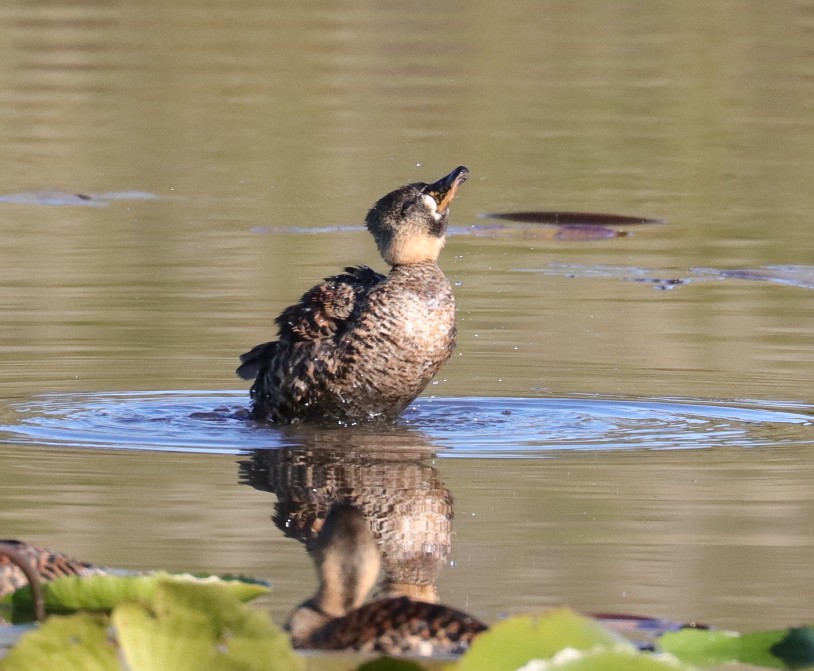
58,197
51,197
573,218
706,648
104,592
510,644
74,643
193,626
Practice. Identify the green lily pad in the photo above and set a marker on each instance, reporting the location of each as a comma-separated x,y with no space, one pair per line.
510,644
104,592
73,643
788,648
193,626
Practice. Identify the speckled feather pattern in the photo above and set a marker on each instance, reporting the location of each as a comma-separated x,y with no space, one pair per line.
398,626
48,564
358,346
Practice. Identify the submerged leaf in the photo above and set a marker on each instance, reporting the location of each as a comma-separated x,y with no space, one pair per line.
584,233
73,643
605,659
195,626
511,643
390,664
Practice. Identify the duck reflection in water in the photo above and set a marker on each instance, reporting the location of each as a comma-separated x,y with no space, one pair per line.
385,474
365,502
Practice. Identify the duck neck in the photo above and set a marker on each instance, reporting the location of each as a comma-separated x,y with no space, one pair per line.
417,268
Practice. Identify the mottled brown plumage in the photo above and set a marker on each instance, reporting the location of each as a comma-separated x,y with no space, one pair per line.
47,564
361,346
399,626
336,618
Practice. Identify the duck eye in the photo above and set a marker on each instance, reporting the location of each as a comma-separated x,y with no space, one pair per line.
405,208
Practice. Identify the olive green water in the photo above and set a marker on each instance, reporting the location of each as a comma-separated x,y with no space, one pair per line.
239,143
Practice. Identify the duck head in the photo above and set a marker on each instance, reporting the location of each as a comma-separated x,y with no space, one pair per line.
410,223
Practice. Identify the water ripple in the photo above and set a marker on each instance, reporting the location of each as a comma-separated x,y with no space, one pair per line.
215,422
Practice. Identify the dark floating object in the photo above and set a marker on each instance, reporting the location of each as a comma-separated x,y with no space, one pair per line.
581,219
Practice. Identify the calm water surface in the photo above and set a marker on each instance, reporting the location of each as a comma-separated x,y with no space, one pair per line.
630,418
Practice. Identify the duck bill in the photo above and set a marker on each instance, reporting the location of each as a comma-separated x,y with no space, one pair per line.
444,190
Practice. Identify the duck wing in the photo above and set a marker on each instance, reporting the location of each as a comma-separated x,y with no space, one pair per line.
398,626
322,312
252,361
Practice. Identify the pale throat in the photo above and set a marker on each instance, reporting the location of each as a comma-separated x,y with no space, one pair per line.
414,249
